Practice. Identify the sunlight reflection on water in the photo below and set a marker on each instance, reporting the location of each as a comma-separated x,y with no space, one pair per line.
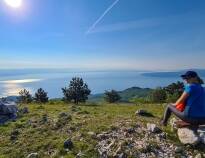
20,81
13,87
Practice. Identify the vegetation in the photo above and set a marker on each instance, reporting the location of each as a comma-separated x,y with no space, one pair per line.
138,95
44,129
77,91
41,96
25,96
174,91
112,96
127,95
158,95
134,92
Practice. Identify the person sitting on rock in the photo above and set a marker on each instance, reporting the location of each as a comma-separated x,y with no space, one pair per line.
190,107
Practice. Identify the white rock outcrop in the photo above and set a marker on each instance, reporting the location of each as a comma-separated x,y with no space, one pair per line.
188,136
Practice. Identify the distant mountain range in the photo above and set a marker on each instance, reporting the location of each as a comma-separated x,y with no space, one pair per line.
201,73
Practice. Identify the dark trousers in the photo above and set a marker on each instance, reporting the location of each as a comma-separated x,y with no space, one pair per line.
171,109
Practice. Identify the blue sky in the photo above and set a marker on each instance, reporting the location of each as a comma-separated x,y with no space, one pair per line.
103,34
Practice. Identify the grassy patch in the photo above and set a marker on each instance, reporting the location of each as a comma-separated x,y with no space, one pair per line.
42,131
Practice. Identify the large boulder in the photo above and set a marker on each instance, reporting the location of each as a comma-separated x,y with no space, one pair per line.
188,136
8,108
8,111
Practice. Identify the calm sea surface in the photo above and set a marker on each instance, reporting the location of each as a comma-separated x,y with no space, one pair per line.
12,81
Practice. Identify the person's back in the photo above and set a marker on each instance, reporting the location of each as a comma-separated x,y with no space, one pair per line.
195,105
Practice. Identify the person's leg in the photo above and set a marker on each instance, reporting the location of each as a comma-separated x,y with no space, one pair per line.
181,115
184,117
167,115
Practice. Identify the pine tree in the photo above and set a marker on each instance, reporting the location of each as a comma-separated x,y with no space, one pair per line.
25,96
41,96
77,91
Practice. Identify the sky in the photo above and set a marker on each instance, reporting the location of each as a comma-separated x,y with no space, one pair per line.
103,34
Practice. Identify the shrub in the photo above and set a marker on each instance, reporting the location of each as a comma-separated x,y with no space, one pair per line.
77,91
41,96
112,96
158,95
174,91
172,97
25,96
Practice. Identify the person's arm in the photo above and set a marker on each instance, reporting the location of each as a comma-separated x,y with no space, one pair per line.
182,99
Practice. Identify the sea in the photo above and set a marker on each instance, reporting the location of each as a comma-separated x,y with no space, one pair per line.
53,80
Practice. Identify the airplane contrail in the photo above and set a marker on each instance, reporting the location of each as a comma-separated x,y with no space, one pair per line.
102,16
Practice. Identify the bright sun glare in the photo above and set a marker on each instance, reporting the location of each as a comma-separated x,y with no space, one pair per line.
14,3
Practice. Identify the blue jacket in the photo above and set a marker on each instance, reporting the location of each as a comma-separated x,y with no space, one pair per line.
195,104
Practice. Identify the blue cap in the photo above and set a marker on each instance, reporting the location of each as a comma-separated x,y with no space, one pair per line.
189,74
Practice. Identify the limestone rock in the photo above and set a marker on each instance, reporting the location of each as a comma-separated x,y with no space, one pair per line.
188,136
153,128
92,134
201,132
173,124
178,149
142,112
32,155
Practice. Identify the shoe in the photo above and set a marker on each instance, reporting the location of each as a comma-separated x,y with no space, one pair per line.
162,123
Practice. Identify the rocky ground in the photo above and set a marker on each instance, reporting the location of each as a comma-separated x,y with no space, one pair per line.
138,141
114,130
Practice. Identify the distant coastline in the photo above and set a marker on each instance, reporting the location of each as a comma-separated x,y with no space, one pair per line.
52,80
201,72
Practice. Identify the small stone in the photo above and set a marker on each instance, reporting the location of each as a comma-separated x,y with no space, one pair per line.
188,136
153,128
173,124
14,134
140,112
122,155
143,113
68,144
178,149
130,130
25,110
65,115
32,155
92,134
102,136
162,135
79,155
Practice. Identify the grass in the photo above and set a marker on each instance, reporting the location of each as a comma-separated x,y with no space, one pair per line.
42,131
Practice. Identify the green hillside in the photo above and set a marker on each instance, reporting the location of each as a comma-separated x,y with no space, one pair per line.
126,95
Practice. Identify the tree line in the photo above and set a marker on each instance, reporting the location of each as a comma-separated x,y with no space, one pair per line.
78,92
